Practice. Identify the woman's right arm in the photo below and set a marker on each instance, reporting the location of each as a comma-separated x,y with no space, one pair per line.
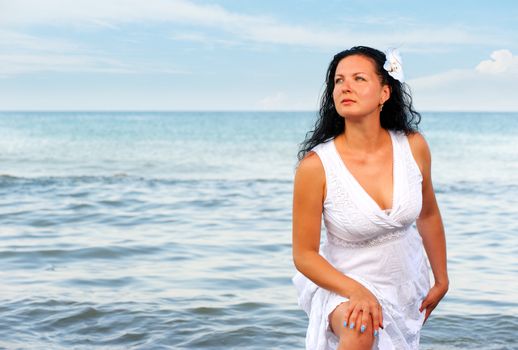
308,199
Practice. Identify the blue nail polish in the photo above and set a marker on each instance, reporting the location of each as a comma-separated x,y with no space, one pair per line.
345,323
362,329
351,326
376,333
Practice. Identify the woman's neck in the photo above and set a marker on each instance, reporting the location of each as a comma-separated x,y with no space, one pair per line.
361,137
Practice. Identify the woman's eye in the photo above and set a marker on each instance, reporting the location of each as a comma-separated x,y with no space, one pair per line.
360,78
338,80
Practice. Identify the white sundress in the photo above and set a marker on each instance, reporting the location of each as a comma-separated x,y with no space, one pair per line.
380,249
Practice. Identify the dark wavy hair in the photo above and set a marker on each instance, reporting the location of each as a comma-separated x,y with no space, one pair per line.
397,114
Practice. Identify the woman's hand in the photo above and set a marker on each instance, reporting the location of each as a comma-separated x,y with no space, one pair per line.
433,298
363,303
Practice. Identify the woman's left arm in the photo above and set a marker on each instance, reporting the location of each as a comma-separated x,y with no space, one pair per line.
430,227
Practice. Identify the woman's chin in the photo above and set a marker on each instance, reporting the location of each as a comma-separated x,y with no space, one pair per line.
351,114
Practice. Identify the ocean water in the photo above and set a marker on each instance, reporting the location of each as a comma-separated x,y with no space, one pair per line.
172,230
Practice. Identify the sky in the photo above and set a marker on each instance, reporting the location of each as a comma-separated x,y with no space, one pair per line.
248,54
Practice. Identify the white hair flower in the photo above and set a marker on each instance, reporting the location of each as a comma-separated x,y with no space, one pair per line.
393,65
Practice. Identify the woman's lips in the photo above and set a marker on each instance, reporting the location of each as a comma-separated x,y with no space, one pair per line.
347,101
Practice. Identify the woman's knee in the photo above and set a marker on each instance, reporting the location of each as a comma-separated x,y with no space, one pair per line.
351,338
337,318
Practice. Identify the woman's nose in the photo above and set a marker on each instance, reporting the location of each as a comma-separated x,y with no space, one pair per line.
345,86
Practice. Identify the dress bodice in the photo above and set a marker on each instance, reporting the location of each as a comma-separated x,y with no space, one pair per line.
352,218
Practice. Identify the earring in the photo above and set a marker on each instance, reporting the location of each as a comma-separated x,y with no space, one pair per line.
381,107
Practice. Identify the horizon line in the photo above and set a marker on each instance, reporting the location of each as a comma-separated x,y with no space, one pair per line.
226,110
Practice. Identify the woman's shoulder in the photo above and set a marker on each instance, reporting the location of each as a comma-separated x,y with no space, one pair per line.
420,149
310,175
418,143
312,164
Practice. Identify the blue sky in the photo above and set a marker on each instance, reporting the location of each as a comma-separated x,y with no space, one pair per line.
247,54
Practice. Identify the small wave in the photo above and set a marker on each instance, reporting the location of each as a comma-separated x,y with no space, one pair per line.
114,252
122,176
478,188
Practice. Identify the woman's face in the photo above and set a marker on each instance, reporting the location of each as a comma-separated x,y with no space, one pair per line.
358,91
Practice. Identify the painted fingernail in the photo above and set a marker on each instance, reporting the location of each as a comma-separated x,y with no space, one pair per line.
345,323
351,326
362,329
376,333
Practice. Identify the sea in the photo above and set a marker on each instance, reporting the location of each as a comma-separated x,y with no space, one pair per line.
172,230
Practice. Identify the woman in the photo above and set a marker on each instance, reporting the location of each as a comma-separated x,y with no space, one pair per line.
366,169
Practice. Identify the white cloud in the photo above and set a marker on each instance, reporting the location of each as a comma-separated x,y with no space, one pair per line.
281,101
24,54
23,63
490,86
502,61
19,42
262,29
21,53
11,64
274,102
202,38
108,13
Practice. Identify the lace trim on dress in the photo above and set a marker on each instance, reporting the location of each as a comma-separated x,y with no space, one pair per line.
368,242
